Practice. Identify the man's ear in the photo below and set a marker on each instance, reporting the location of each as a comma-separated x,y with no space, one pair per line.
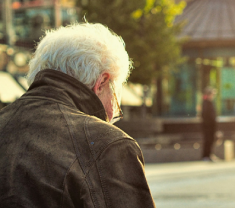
101,83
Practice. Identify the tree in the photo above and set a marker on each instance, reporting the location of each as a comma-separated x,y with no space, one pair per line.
148,31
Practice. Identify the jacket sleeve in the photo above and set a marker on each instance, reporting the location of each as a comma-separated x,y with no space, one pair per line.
123,180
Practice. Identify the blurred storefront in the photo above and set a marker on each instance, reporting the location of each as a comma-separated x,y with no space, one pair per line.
210,48
30,18
22,23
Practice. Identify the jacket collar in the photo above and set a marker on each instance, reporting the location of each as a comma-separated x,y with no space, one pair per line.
63,88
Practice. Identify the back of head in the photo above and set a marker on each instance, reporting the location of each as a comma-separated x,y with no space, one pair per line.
83,51
209,91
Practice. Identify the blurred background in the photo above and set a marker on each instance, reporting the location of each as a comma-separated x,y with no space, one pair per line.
178,48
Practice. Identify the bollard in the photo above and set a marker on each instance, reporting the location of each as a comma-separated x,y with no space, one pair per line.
228,150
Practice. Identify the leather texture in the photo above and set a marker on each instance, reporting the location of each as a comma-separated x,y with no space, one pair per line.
58,151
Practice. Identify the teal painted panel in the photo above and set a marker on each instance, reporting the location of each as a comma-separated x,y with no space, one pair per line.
228,83
183,91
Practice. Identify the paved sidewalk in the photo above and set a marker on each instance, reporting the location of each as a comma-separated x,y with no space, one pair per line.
192,184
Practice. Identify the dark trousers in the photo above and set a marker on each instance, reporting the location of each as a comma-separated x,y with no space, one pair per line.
209,138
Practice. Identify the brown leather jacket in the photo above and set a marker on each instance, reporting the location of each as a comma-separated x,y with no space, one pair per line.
57,150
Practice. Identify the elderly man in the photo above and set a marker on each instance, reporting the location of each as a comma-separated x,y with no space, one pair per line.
58,147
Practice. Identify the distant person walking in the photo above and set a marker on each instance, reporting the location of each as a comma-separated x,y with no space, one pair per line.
208,122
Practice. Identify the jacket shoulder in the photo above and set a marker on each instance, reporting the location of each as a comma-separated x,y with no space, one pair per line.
101,134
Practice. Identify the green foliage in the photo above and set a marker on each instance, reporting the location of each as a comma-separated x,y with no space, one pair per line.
147,29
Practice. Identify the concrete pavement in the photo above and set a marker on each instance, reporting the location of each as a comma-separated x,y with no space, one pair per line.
192,184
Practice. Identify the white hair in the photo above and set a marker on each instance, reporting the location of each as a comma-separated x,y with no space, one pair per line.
83,51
